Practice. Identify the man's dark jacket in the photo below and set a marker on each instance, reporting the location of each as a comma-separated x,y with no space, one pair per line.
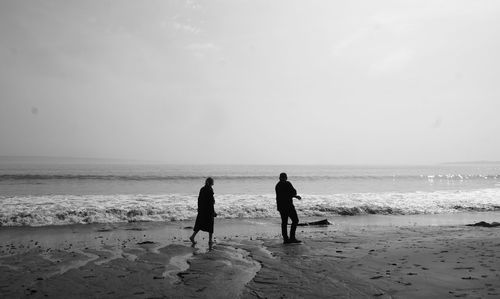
284,195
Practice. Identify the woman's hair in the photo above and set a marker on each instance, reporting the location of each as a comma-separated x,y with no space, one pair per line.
209,181
283,176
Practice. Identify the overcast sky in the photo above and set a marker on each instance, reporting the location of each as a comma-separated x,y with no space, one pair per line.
337,82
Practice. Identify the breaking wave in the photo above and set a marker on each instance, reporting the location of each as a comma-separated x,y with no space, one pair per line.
72,209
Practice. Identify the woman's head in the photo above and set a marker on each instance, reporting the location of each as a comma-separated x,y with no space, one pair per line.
209,182
283,177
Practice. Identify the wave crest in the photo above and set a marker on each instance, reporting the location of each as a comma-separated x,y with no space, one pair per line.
72,209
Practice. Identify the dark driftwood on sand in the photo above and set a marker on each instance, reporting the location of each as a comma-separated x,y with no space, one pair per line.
485,224
145,242
321,222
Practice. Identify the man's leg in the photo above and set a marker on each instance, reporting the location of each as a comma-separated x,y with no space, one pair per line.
284,224
295,221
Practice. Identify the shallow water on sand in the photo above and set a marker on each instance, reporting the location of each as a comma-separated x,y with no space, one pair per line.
366,256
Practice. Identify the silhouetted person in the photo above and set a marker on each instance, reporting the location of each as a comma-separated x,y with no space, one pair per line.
284,200
206,213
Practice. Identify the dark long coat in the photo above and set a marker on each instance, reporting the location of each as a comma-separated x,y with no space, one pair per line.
206,213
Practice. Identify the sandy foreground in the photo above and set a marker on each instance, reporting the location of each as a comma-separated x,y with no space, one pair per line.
363,257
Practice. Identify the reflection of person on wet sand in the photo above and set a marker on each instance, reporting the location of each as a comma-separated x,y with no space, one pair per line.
206,213
284,199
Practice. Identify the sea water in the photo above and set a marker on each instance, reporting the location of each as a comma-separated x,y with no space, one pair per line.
38,193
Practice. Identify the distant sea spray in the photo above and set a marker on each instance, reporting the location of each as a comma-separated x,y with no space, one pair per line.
71,209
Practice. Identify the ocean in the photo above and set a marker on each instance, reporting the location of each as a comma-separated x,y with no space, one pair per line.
41,193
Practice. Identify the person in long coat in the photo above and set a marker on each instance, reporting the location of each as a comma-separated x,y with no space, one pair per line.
206,212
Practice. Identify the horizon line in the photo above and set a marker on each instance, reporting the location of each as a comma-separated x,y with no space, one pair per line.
136,161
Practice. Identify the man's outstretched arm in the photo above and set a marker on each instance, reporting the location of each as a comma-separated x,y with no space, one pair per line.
294,192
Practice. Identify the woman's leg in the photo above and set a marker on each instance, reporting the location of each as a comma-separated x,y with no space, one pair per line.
193,235
210,241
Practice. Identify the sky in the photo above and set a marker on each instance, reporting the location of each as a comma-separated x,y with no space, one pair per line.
251,82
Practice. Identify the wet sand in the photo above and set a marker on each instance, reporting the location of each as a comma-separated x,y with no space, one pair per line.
367,257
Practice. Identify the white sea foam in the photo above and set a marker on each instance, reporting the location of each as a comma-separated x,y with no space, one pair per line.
71,209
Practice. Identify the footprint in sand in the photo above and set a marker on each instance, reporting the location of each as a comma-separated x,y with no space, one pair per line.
404,283
469,278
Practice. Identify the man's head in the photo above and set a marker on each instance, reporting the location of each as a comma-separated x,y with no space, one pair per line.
283,177
209,182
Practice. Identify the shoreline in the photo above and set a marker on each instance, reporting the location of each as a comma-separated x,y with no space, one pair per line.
343,220
168,233
357,256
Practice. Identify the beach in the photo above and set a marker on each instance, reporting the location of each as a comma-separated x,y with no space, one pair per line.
159,149
355,257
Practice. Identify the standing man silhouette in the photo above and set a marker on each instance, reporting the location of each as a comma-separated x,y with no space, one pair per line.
284,200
